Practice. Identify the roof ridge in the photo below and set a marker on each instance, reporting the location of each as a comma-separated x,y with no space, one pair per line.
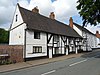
44,16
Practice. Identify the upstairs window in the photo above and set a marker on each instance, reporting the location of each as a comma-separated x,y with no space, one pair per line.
36,35
56,38
16,18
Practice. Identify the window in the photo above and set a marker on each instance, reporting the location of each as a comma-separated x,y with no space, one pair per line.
16,17
36,35
56,38
37,49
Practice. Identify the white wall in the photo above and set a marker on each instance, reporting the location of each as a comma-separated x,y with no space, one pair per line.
51,41
61,45
98,42
92,42
90,38
16,30
30,42
19,18
17,35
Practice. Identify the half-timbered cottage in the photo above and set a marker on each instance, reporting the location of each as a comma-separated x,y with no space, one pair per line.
89,39
42,36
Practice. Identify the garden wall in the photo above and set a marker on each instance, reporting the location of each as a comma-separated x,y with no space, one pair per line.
15,52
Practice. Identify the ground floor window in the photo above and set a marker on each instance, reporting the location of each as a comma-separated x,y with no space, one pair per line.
37,49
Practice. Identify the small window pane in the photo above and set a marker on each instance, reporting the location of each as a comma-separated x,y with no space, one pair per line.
40,49
37,49
36,35
16,17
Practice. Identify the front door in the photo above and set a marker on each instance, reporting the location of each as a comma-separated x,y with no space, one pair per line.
56,50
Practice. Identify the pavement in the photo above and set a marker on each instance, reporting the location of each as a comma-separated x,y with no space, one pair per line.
27,64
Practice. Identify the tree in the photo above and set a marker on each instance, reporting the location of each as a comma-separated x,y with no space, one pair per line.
89,10
4,36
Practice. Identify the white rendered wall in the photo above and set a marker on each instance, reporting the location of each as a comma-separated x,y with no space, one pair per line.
95,41
51,41
30,42
16,30
91,40
19,18
61,45
17,35
98,42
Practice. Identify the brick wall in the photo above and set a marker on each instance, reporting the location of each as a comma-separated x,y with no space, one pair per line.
15,52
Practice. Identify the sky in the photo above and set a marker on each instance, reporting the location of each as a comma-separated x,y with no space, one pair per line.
63,9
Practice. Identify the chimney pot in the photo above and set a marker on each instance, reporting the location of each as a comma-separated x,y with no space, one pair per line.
52,15
35,9
97,34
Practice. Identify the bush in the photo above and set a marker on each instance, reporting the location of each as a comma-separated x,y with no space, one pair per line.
4,62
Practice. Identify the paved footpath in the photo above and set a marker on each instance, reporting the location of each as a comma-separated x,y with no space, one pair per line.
21,65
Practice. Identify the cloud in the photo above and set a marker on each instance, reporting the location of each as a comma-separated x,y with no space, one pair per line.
23,3
93,29
7,8
45,6
63,9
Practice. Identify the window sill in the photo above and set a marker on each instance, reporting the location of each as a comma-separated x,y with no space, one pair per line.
37,53
36,38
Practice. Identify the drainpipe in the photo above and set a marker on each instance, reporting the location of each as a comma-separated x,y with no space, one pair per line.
86,43
24,52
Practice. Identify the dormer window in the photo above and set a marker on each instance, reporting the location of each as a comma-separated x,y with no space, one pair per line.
16,18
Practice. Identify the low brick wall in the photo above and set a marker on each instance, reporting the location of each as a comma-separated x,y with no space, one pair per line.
15,52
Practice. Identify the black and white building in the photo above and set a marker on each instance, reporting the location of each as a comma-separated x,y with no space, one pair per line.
42,36
89,39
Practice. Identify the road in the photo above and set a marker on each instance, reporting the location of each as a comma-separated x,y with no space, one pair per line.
87,64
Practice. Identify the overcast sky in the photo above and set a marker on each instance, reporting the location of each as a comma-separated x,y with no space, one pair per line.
63,9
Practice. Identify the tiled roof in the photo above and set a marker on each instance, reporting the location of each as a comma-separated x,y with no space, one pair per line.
36,21
83,29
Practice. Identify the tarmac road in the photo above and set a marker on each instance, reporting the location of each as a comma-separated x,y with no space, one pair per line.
88,64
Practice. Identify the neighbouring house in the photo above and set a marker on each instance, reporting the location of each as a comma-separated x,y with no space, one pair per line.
89,39
42,36
98,38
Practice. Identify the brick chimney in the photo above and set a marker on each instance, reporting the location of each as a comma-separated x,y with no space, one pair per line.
71,22
52,15
35,10
97,34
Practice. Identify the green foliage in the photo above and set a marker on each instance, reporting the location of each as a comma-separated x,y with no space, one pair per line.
4,36
89,10
5,62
